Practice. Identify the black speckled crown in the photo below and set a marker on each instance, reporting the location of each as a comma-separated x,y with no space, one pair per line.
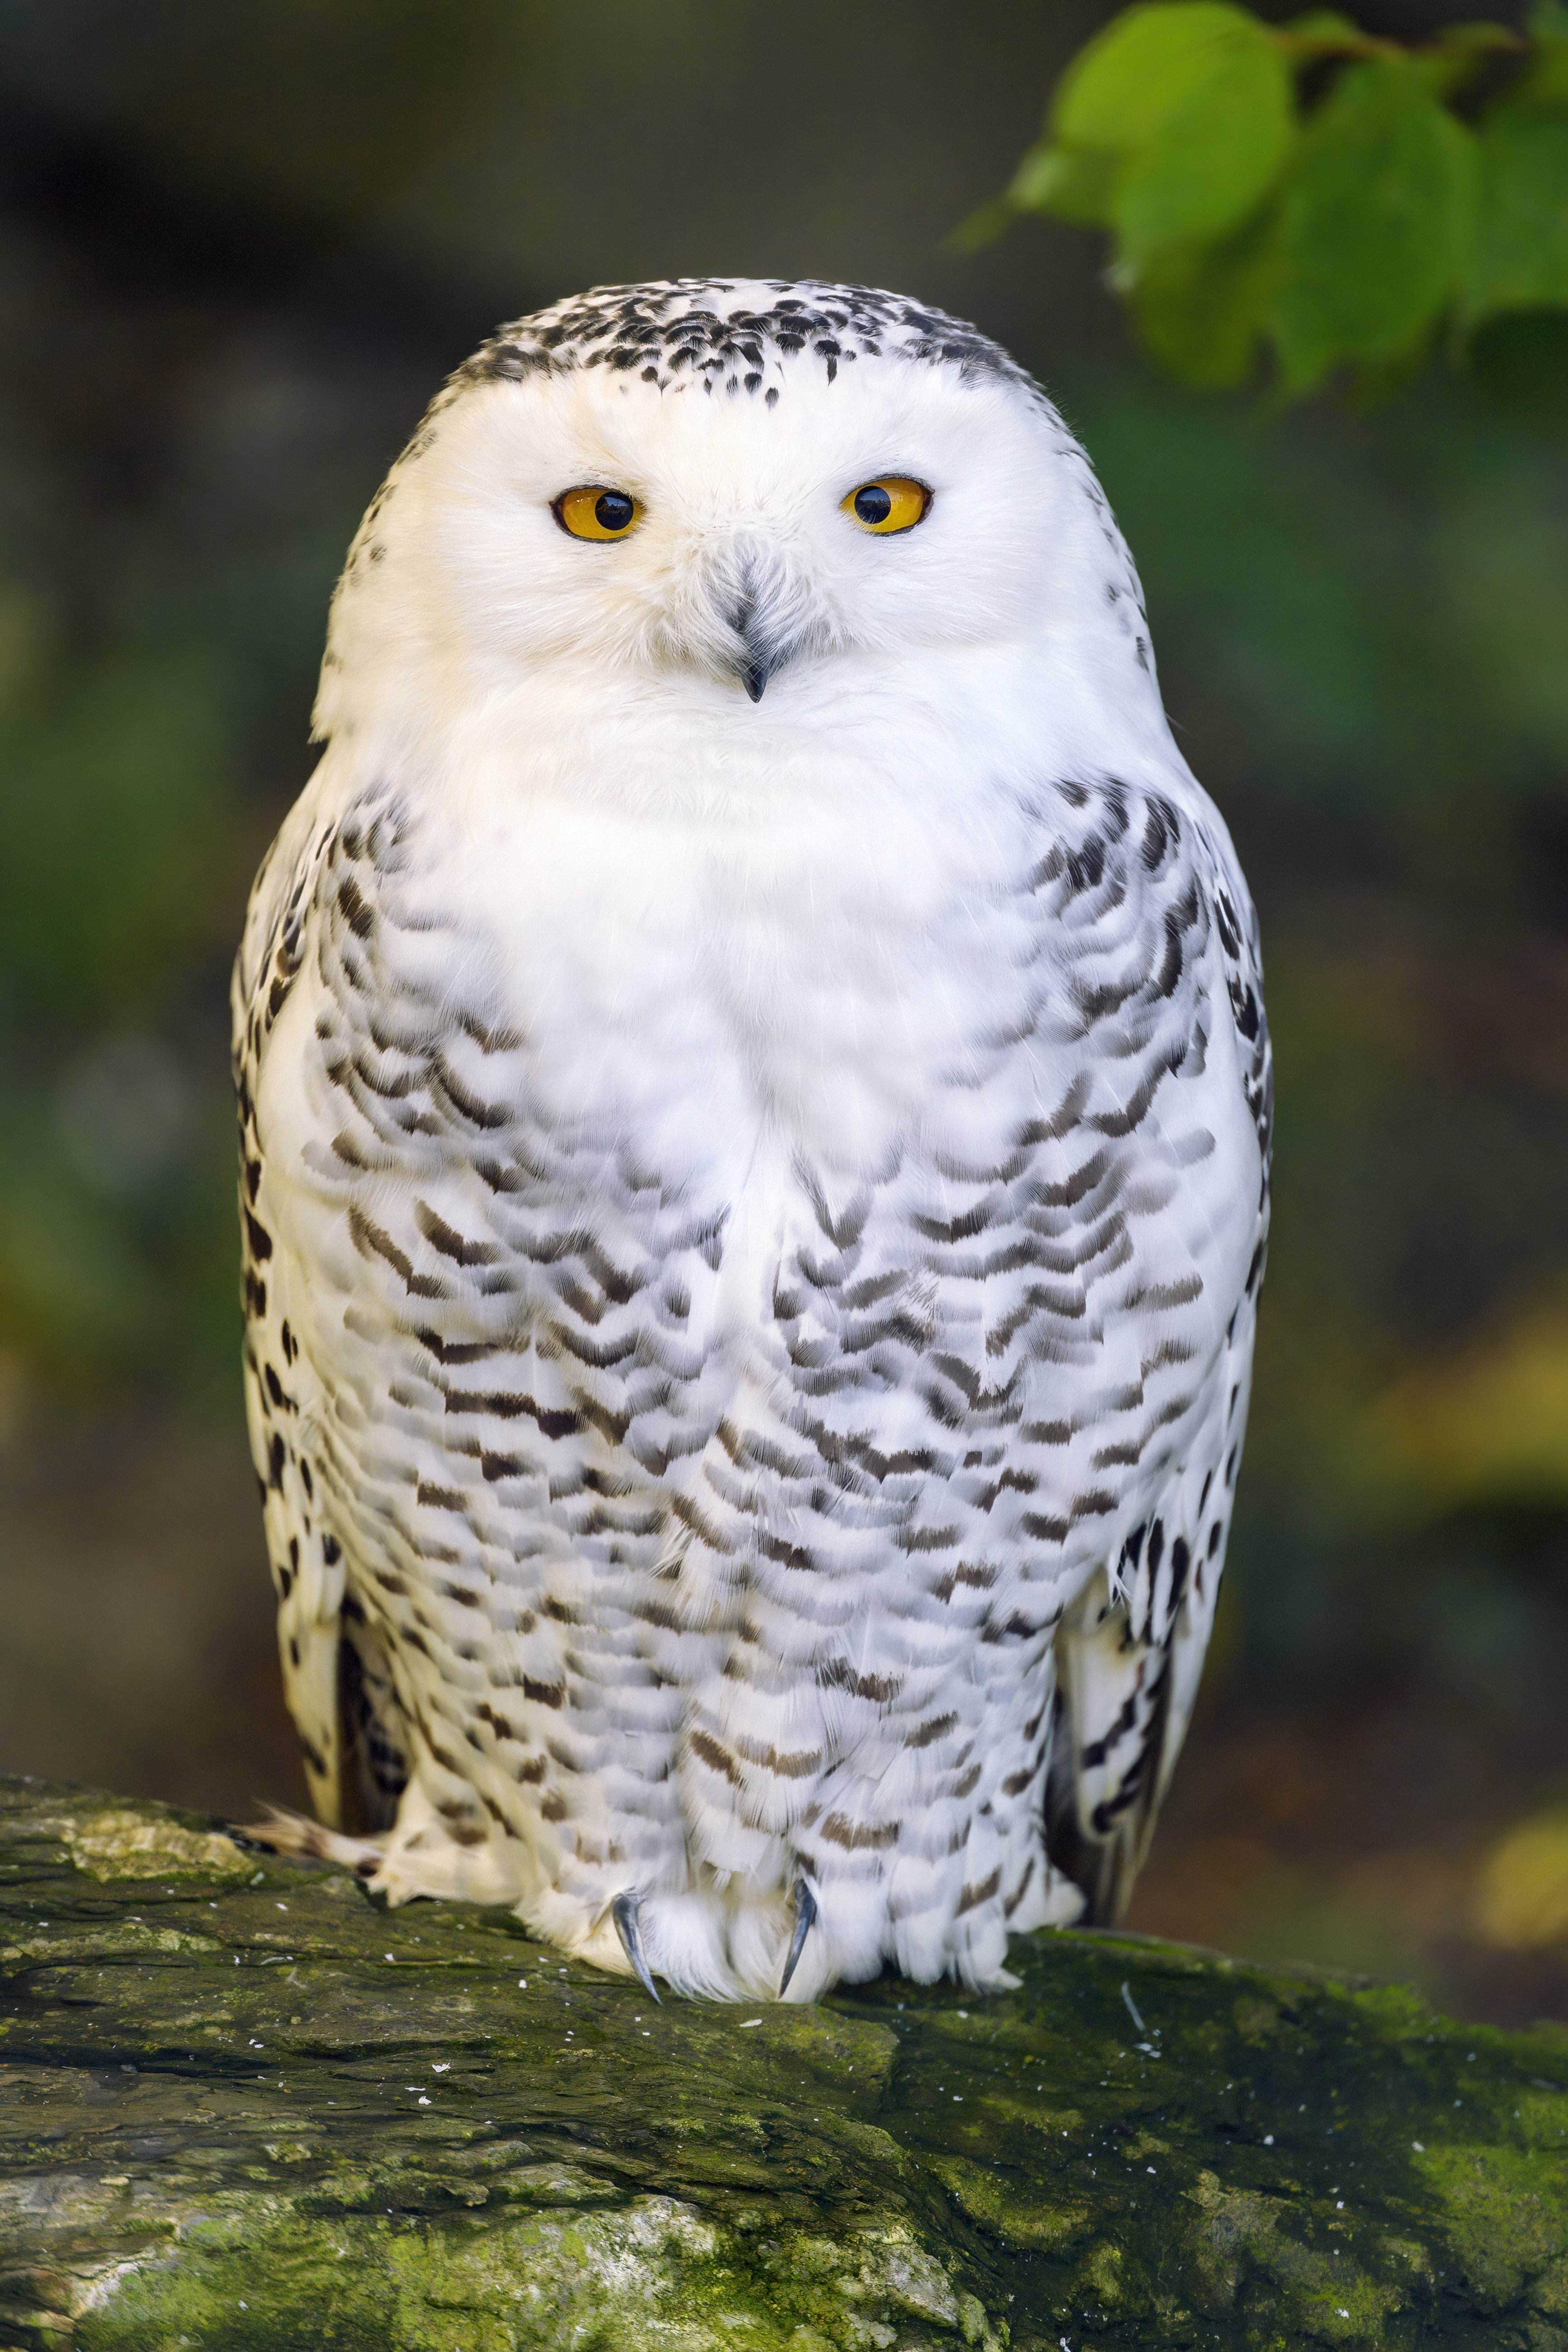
683,330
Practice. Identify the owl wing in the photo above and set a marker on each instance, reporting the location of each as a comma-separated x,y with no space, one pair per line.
1130,1652
1128,1663
336,1684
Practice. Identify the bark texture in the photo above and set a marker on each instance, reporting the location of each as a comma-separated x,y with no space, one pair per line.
244,2109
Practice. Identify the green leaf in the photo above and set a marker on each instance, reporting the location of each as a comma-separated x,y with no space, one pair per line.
1200,308
1344,240
983,226
1170,126
1544,81
1213,156
1120,90
1521,259
1324,24
1074,183
1375,214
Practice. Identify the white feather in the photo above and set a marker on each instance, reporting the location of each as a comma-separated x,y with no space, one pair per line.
766,1198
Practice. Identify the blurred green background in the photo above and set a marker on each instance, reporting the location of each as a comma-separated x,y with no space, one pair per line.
240,246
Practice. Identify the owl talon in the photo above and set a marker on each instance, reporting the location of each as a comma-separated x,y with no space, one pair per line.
624,1911
805,1920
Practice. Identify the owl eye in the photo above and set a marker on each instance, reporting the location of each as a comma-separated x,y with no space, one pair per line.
594,512
892,503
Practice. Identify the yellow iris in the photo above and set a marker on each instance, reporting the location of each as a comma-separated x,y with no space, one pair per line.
892,502
596,512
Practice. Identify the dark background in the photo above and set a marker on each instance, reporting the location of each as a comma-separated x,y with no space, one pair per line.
240,247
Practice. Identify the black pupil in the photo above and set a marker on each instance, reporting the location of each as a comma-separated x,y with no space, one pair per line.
872,504
613,512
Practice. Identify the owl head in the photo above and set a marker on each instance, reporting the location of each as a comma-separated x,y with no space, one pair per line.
756,501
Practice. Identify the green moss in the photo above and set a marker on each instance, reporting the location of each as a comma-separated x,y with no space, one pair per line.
243,2108
1000,2203
652,2273
1507,2218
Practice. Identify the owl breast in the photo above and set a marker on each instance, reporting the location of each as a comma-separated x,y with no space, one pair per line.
713,1315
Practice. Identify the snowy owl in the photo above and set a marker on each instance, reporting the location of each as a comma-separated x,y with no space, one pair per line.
755,1125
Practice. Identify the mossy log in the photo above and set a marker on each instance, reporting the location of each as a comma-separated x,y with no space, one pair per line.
244,2107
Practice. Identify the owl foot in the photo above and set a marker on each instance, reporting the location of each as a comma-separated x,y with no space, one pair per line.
804,1919
624,1911
286,1832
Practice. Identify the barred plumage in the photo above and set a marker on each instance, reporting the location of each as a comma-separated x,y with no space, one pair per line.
753,1214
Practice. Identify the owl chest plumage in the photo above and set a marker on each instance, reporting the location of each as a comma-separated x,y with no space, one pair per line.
706,1331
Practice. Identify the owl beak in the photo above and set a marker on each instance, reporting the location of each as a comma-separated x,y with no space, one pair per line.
760,656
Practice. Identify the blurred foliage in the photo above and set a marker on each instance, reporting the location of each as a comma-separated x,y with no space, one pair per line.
153,671
1329,194
214,335
1522,1895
